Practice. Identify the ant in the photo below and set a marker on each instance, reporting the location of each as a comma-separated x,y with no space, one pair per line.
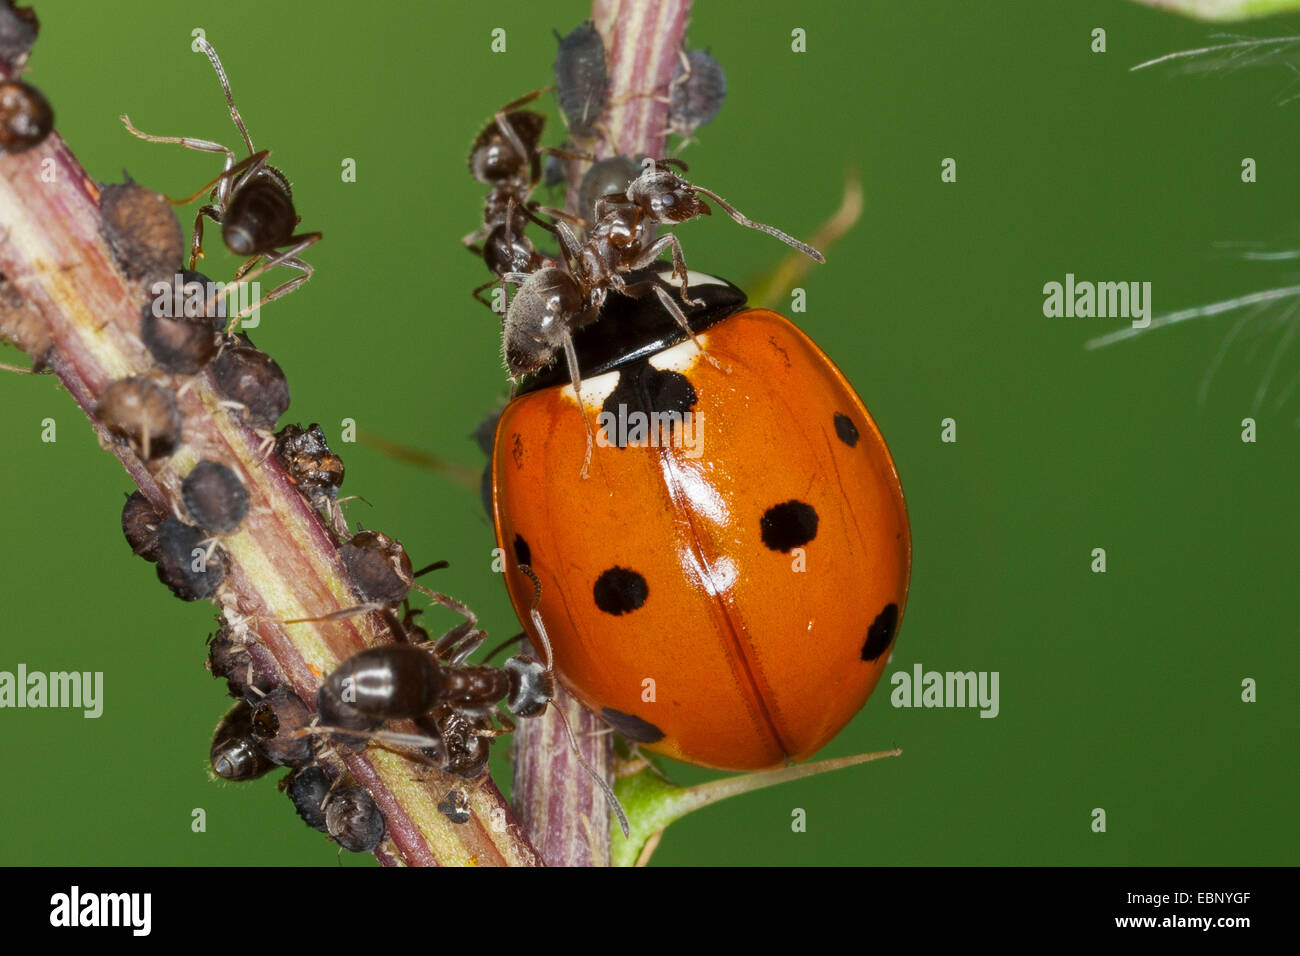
506,156
553,302
252,202
455,705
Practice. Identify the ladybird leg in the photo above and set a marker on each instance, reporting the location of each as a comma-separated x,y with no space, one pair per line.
571,356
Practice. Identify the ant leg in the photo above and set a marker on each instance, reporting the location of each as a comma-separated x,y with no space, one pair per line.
289,258
570,247
223,179
204,145
521,636
639,289
196,241
570,155
571,356
533,208
478,294
653,251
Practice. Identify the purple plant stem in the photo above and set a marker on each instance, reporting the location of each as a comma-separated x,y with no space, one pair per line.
561,807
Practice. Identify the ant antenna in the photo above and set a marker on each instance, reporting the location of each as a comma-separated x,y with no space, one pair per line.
744,220
542,637
600,780
225,85
545,641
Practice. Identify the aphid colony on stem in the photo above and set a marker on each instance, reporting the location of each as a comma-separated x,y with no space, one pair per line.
202,491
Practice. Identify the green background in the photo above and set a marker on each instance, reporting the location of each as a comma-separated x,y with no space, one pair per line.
1119,691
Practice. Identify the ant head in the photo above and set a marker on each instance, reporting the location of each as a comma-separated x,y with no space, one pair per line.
664,196
539,318
531,686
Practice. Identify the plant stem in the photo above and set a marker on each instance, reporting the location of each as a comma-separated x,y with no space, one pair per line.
282,563
562,808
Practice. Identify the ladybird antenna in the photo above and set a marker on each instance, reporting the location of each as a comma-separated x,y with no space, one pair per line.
225,86
744,220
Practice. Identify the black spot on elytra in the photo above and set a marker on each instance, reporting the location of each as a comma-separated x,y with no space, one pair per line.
845,428
788,525
632,727
643,388
620,591
523,553
881,633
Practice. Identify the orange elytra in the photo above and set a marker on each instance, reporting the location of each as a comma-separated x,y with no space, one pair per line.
726,585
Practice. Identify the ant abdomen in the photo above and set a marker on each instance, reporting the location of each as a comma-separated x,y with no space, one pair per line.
388,682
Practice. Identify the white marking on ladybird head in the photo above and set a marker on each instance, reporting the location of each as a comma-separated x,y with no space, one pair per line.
681,357
594,391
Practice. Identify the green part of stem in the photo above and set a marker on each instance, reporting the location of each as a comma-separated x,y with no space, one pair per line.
652,803
1225,9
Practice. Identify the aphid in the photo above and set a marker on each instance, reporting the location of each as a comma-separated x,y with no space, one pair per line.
214,496
232,659
308,788
696,93
142,412
235,754
354,820
140,521
277,720
179,344
250,199
308,461
379,567
254,383
141,230
581,78
22,325
18,30
455,807
25,116
188,562
607,177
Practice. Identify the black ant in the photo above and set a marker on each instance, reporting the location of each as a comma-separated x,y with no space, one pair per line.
456,706
553,302
250,199
506,156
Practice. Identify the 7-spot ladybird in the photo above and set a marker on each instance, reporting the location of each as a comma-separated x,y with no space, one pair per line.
727,584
